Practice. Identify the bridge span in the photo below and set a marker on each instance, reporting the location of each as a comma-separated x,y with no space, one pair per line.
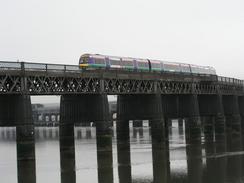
212,103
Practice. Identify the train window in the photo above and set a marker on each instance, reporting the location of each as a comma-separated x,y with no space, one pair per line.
172,67
156,65
128,62
185,68
200,69
99,60
194,69
114,61
142,64
212,71
84,59
203,70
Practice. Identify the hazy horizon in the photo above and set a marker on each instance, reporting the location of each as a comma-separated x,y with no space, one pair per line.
196,32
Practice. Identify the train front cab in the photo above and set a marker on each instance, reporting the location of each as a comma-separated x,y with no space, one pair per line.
84,60
88,61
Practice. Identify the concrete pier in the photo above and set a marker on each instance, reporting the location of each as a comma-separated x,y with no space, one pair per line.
76,109
189,109
233,120
104,140
67,141
212,112
215,166
123,151
241,110
233,130
67,152
142,107
25,137
15,110
160,153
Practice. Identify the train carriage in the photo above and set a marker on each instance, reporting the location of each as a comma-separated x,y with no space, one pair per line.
114,62
142,65
156,65
195,69
212,71
93,61
185,68
128,64
171,67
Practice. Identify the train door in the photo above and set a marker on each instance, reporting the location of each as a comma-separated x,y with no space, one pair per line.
135,65
107,62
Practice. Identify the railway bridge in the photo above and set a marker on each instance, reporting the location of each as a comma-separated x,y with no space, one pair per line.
212,103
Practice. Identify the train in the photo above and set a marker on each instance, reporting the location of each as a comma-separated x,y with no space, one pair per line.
97,61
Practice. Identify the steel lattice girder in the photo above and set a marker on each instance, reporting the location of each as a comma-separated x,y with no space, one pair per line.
55,85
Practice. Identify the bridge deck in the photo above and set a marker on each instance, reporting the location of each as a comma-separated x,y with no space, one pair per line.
53,79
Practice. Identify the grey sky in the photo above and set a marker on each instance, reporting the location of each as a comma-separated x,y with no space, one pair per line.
209,32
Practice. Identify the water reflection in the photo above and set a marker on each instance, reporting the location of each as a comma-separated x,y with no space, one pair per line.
203,154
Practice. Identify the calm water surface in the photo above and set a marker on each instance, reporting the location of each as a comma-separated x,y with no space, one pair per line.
206,166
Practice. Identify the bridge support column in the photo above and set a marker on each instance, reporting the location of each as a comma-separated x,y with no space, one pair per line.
25,136
66,140
233,129
220,141
123,150
160,152
212,111
215,167
104,140
170,105
189,108
160,144
233,121
15,110
148,107
80,108
241,110
67,152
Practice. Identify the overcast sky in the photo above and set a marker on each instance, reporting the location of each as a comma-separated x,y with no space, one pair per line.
207,32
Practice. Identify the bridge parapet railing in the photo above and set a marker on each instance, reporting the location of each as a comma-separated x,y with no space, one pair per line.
227,80
34,66
28,66
50,67
5,65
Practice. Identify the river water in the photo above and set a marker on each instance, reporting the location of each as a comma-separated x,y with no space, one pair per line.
210,166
